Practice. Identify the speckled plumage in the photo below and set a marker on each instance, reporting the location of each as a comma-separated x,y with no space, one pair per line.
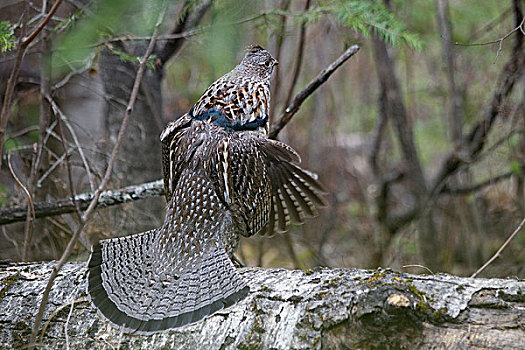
223,178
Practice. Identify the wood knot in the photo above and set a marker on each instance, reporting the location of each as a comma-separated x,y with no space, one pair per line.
398,300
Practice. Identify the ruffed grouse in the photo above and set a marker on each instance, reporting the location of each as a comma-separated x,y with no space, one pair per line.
223,178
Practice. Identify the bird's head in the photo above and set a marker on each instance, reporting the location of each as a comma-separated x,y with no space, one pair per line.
258,61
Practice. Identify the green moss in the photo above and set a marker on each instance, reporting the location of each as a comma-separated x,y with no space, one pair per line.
396,279
321,295
316,341
439,313
265,288
6,283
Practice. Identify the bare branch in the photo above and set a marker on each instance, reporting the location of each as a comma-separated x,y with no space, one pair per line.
64,206
466,190
513,234
68,167
498,41
298,58
101,187
22,47
186,23
298,100
28,194
38,29
64,119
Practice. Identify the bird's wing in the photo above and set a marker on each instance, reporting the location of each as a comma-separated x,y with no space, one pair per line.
175,155
295,192
260,181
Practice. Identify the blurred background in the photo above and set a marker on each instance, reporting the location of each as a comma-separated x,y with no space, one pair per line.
419,137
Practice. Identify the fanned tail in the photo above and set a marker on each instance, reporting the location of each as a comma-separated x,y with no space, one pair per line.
134,289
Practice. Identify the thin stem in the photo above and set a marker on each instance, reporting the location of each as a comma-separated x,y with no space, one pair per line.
298,100
22,47
67,252
513,234
298,57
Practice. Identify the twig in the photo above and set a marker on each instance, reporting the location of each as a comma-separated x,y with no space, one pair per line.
50,170
477,187
63,117
69,318
29,225
101,187
498,41
42,24
298,100
74,72
69,176
55,312
475,274
30,200
298,58
11,240
22,47
420,266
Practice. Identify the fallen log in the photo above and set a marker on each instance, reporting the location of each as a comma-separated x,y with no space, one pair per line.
286,309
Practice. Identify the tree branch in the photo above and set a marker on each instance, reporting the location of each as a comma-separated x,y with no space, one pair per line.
22,47
469,189
298,100
512,235
472,143
187,22
101,187
64,206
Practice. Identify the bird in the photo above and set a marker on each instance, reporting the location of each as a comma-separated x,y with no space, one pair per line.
223,178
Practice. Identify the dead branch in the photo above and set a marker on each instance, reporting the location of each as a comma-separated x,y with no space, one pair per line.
87,215
497,41
22,47
64,206
298,100
186,24
507,241
477,187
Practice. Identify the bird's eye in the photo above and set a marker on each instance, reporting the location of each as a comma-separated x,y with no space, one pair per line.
267,63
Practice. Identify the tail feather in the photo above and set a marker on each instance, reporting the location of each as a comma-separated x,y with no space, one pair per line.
134,290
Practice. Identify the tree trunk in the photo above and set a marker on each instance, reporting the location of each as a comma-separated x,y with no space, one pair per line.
286,309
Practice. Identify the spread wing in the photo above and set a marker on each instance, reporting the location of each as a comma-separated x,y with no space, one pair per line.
295,193
262,182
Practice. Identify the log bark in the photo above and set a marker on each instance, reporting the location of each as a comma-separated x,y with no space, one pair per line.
286,309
